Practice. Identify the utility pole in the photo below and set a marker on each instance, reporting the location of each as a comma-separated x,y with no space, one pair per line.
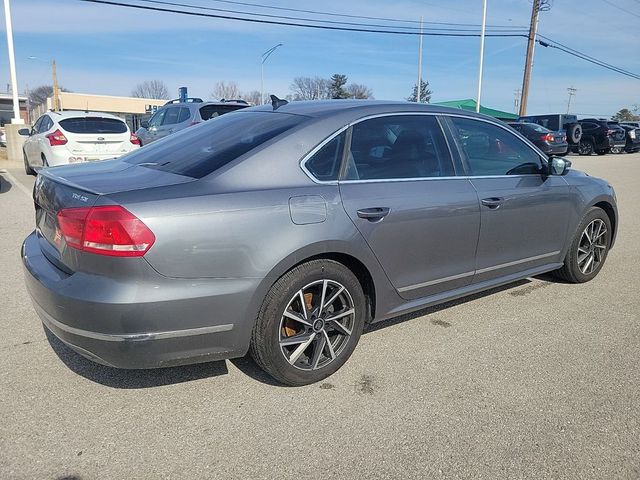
419,89
484,27
572,91
538,6
56,90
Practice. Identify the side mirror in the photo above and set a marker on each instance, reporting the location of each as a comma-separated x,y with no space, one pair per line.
25,132
558,166
144,124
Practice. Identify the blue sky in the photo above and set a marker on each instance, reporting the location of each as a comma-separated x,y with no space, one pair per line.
107,50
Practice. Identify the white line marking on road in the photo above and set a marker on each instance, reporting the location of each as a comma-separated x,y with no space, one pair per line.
16,183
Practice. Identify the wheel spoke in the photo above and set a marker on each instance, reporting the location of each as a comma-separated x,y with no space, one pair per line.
600,246
295,339
293,358
586,234
332,354
303,304
322,296
295,316
340,328
340,315
582,258
318,349
582,250
333,298
588,263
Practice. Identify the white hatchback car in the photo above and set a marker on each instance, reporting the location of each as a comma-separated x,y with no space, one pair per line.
60,138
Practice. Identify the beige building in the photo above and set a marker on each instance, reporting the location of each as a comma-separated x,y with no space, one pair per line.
131,109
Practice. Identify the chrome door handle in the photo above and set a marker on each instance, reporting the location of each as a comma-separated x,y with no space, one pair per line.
492,202
374,214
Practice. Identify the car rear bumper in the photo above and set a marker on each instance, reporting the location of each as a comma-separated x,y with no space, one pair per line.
556,148
132,327
63,156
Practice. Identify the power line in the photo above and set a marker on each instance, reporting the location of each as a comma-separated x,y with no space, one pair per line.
571,51
331,22
294,24
621,8
345,15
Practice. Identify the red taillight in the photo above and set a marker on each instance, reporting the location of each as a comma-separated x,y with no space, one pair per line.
105,230
57,138
547,138
134,139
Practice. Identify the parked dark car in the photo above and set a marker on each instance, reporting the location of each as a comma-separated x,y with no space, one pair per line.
282,230
600,136
559,122
174,116
551,143
633,138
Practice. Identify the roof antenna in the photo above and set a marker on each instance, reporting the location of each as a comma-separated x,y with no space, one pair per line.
277,102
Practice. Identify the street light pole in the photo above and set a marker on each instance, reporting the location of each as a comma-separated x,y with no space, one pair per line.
484,27
265,56
12,64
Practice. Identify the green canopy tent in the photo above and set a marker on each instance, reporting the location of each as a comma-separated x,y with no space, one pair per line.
470,105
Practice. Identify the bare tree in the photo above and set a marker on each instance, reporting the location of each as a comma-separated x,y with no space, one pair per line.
226,90
151,89
359,91
40,94
310,88
252,97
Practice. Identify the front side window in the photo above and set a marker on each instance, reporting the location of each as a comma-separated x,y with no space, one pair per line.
156,119
396,147
171,116
325,163
492,150
185,114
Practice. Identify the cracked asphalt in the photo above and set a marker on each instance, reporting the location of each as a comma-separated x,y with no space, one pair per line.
539,379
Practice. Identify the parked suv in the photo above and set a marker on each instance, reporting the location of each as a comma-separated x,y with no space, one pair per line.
59,138
600,136
175,116
633,138
551,143
559,122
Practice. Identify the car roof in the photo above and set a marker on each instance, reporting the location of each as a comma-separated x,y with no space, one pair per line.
323,108
81,114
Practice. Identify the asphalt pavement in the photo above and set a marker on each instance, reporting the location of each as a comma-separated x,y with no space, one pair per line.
537,380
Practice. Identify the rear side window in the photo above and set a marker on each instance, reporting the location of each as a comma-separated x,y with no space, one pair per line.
212,111
491,150
325,163
200,150
402,146
93,125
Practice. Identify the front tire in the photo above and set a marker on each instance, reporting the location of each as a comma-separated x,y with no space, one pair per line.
310,323
27,168
589,248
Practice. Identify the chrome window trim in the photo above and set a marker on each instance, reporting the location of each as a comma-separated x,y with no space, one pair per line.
435,114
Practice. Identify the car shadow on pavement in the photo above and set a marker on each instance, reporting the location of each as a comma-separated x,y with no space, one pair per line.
442,306
4,185
132,379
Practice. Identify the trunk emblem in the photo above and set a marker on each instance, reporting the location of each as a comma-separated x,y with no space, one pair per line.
100,138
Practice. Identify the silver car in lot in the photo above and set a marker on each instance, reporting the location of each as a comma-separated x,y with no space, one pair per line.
283,229
175,116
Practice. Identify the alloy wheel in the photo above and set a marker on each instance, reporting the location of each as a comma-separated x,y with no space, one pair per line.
316,324
592,246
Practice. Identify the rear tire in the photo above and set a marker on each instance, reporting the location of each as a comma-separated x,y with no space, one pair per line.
27,168
295,341
589,248
585,148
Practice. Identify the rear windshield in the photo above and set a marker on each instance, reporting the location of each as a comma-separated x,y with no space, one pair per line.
212,111
198,151
93,125
537,128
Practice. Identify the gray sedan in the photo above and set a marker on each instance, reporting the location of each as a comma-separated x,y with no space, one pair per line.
283,229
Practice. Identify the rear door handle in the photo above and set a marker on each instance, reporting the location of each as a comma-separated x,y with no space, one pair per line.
373,214
492,202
